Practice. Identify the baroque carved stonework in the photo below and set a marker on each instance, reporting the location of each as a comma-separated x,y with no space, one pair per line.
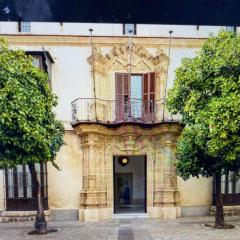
118,60
100,143
130,142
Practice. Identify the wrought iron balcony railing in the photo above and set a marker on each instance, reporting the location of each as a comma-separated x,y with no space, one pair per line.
120,111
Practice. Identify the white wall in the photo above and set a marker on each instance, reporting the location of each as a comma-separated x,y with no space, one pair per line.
71,73
175,59
182,31
111,29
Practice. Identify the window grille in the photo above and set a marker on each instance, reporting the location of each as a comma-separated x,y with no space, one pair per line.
230,188
24,27
127,27
230,29
20,189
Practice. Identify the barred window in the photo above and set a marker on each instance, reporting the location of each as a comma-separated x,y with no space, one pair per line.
20,188
129,27
230,29
24,27
230,188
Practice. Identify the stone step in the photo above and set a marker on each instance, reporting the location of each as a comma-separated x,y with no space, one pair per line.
228,210
20,216
129,215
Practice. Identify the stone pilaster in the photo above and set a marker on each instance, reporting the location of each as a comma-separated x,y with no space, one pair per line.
165,187
94,194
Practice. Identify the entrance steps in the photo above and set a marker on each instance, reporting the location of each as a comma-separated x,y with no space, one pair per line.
20,216
129,215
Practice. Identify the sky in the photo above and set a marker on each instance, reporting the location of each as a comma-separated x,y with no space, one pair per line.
196,12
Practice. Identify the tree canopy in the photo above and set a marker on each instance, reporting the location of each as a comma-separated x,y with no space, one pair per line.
206,93
29,131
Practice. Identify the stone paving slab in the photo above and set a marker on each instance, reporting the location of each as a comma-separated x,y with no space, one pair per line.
131,229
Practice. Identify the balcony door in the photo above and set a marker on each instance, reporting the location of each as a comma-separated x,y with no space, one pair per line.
135,96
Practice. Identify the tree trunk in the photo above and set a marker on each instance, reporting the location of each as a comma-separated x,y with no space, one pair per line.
40,221
219,218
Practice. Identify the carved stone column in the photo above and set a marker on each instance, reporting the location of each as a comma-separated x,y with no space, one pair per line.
165,187
93,196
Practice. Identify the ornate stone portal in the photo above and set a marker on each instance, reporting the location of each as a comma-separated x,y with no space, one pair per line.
100,143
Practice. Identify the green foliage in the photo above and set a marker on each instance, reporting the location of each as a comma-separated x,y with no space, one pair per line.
29,131
207,94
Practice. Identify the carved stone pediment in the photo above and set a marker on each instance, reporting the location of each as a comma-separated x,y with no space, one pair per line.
118,58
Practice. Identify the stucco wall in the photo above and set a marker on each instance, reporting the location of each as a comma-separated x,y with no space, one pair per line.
71,72
64,186
195,196
114,29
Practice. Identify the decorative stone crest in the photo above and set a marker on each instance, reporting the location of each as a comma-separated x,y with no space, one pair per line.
129,142
117,60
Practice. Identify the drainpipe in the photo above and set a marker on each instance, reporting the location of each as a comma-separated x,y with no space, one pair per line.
93,73
165,91
130,71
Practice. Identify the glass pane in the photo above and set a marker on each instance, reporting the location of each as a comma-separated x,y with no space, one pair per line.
129,27
36,62
20,181
10,183
136,96
25,27
29,183
237,183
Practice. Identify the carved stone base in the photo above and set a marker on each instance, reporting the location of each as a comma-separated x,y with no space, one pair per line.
166,198
171,212
93,199
95,214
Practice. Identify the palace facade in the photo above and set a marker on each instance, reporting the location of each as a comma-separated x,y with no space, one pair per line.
120,139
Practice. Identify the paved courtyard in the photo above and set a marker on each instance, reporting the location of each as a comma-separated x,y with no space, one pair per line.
127,229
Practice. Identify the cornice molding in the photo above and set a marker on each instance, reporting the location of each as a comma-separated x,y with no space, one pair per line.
104,41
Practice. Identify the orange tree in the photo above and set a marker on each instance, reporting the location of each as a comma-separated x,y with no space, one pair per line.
29,131
206,93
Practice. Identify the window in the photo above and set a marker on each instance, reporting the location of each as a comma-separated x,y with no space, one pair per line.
135,96
24,27
230,29
42,60
127,27
20,190
230,188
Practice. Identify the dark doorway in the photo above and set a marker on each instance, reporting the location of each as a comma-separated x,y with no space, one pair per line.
129,184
